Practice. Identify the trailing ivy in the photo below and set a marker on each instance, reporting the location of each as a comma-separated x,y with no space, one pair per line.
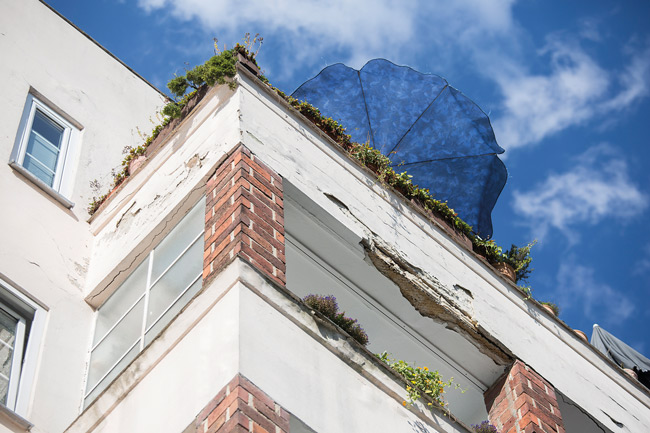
380,164
216,70
221,68
421,381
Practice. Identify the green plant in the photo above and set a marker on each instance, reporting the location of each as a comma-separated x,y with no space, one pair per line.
553,306
488,249
421,381
215,70
520,260
328,307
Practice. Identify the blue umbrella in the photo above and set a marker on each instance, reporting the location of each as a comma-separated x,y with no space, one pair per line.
425,126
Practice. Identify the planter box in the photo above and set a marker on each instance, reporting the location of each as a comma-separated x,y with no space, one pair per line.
171,126
252,67
507,271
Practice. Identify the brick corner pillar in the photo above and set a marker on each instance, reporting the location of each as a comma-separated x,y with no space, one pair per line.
244,217
241,407
523,402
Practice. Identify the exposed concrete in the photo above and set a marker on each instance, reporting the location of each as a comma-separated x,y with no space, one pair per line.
451,306
319,169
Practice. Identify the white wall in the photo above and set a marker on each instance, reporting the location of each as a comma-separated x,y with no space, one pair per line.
45,247
362,205
240,323
158,195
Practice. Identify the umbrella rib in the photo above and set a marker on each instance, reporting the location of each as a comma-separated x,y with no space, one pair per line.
416,120
363,95
445,159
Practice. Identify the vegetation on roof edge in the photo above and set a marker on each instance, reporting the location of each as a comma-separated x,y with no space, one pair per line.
221,67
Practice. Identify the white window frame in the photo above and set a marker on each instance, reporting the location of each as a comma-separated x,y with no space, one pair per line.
140,342
24,363
17,356
62,185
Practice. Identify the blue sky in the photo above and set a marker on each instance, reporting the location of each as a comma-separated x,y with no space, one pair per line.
566,85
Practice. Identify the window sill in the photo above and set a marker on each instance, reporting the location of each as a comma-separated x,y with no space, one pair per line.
9,416
42,185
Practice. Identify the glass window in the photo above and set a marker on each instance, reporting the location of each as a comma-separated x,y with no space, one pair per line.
147,301
21,328
12,334
43,147
44,144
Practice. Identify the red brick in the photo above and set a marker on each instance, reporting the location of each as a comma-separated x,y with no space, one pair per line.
238,422
245,208
266,225
258,395
508,425
268,255
216,423
269,412
266,241
257,417
259,429
256,259
212,405
519,402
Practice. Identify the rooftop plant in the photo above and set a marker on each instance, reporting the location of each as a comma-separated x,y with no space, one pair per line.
553,306
328,307
216,70
222,66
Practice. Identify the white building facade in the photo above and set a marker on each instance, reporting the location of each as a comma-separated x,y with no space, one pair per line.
177,306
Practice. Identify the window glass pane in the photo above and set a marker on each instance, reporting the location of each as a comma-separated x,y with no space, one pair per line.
179,238
48,129
39,170
7,337
43,147
171,313
116,344
4,390
123,298
174,281
112,375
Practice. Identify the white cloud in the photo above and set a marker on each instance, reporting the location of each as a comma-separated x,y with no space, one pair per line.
478,34
642,265
364,28
575,90
578,287
598,187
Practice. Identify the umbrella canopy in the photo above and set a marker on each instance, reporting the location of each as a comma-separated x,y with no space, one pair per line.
618,351
425,126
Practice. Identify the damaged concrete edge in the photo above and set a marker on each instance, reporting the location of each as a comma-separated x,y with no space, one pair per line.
110,282
425,293
183,126
449,306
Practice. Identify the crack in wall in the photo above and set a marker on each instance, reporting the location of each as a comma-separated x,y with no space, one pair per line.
432,299
149,245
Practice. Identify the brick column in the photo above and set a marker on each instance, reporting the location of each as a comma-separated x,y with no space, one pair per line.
244,217
523,402
241,407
